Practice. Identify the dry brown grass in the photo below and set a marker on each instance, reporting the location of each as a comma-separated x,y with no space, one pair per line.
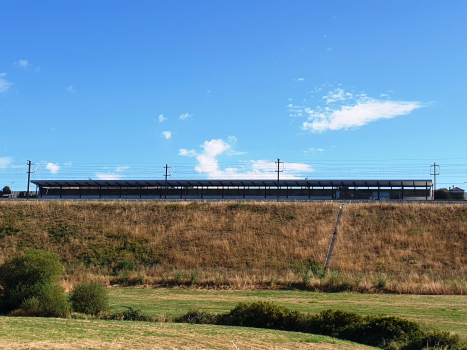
403,248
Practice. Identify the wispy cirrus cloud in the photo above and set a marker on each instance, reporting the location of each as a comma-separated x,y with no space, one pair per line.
161,118
117,175
208,164
4,84
53,168
108,176
185,116
22,63
121,168
5,162
167,134
71,89
345,110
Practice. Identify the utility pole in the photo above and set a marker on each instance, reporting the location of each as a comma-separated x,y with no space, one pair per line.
434,173
29,174
278,171
166,175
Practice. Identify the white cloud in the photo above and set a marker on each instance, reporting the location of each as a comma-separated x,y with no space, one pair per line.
344,110
4,84
353,116
167,134
313,150
161,118
54,168
253,169
5,162
22,63
185,116
68,163
71,89
108,176
187,153
121,168
301,79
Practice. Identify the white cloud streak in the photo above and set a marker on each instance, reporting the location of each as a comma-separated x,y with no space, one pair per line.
187,153
253,169
108,176
121,168
344,110
53,168
5,162
4,84
167,134
22,63
71,89
161,118
185,116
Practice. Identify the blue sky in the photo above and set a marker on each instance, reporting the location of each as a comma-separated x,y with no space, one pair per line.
217,89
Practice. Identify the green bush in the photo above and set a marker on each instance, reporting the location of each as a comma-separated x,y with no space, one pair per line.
434,340
130,314
330,322
26,276
89,298
198,317
381,330
261,315
49,301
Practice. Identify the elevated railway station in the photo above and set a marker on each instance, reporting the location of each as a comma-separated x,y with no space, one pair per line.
236,189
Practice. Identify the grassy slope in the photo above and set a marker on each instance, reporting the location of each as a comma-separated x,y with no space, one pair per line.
42,333
414,248
447,313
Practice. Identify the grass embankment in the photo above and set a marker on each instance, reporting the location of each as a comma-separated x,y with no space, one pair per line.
401,248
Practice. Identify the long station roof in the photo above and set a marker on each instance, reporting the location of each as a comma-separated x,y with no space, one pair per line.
242,183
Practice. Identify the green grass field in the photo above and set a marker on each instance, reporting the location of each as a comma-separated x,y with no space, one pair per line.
43,333
443,312
447,313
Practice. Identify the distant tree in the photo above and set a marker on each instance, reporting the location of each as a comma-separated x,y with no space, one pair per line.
443,193
6,190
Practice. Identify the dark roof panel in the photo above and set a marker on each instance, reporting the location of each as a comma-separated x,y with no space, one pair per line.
227,182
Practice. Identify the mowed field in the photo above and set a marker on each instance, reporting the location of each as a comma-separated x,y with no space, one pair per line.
443,312
394,248
44,334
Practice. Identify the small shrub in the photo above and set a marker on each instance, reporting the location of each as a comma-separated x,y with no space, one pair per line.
381,330
130,314
178,277
53,302
330,322
126,265
261,315
50,301
24,277
434,340
89,298
198,317
381,281
193,278
141,278
123,278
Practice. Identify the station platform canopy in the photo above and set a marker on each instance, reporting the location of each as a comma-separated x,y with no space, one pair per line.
232,183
